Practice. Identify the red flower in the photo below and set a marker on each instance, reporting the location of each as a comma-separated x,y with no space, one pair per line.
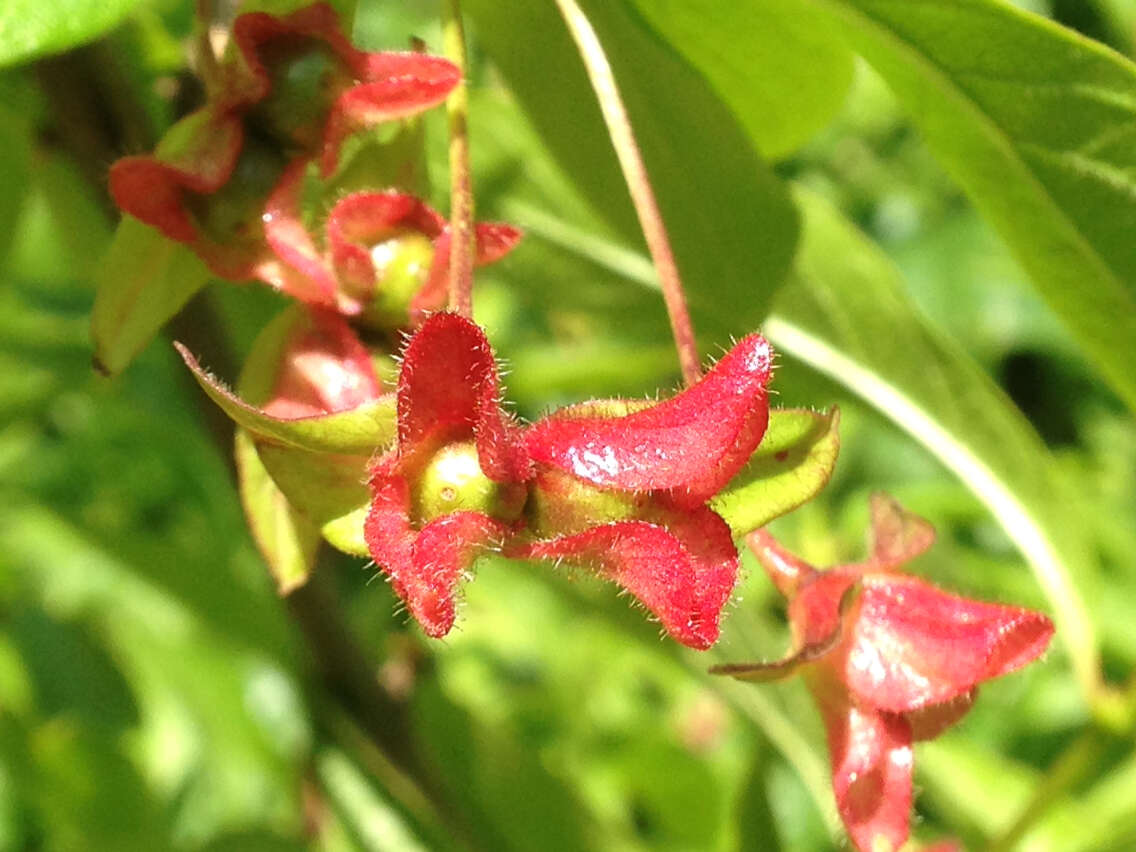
622,487
386,255
453,485
890,660
289,87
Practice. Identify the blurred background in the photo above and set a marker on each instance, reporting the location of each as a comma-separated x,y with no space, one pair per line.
157,694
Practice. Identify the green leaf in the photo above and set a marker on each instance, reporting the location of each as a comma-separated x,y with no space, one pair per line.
143,281
778,66
327,489
360,430
733,229
1038,125
847,316
286,539
791,465
30,28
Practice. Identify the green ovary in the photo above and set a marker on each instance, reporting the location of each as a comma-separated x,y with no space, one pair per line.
453,482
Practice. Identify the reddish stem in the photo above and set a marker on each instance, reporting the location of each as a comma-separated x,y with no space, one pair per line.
638,183
461,188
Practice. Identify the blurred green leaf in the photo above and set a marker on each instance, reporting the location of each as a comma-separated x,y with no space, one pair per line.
846,315
30,28
775,63
72,673
286,539
732,228
144,280
1038,125
793,462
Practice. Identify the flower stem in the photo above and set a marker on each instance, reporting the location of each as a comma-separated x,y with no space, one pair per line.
638,183
461,189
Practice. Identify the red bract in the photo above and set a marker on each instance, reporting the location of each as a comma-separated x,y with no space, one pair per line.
623,488
890,660
453,486
289,87
385,254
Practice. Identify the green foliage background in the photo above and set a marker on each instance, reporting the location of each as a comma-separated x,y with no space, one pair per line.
928,204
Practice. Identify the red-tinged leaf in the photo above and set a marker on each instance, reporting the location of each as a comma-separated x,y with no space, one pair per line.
397,85
323,368
871,773
683,572
144,280
360,430
285,537
898,536
197,155
915,645
425,566
693,443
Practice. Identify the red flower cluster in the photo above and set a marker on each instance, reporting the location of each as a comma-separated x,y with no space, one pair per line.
617,486
227,180
890,660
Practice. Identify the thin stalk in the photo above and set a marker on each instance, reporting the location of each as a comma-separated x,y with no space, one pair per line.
638,183
461,188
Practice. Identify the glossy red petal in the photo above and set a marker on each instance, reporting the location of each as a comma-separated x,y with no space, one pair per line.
197,155
297,267
693,443
360,220
397,85
914,645
898,536
683,573
871,773
323,368
424,566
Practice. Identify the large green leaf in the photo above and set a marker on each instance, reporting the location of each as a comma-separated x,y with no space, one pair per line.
143,281
778,66
846,315
1038,125
732,228
30,28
